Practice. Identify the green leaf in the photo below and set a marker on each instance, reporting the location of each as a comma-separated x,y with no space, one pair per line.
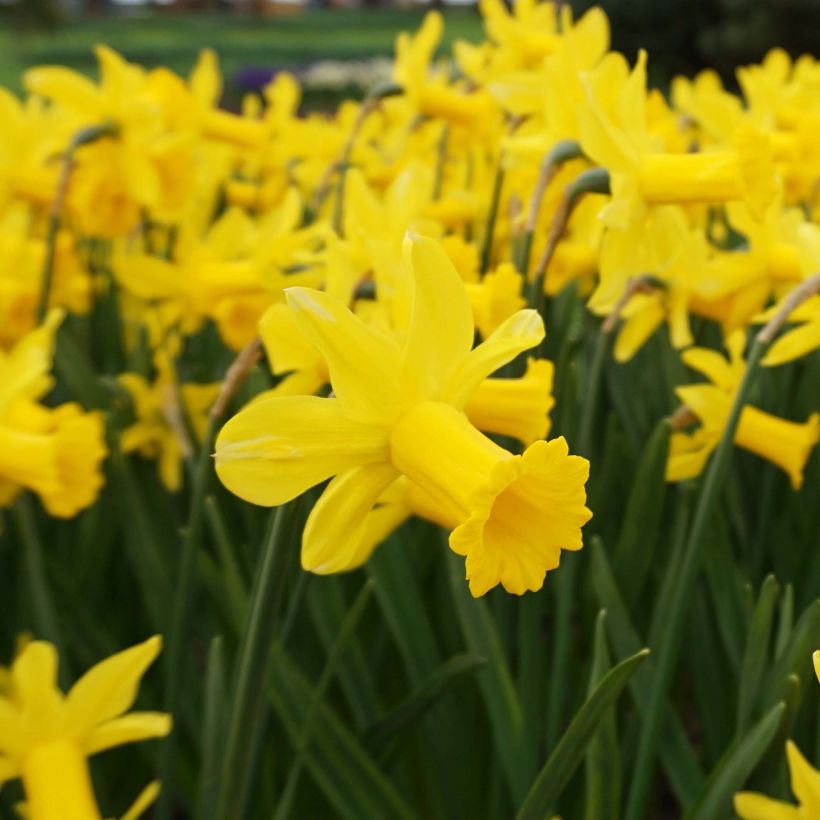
349,624
565,587
757,652
253,661
346,775
570,750
796,657
495,682
420,700
213,726
785,621
326,604
711,489
640,531
737,764
678,759
603,758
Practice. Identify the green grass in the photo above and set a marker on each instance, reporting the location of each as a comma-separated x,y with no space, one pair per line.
242,42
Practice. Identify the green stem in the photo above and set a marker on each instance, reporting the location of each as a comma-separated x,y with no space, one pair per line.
179,617
441,160
82,137
560,153
44,612
252,665
487,241
595,180
681,594
593,390
349,623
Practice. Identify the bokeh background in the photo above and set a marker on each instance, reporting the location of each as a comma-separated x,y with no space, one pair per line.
339,47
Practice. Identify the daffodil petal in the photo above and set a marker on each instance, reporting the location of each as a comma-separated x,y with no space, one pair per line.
751,806
522,331
110,688
34,674
274,450
363,363
805,780
794,344
145,799
441,327
130,728
711,363
333,538
67,88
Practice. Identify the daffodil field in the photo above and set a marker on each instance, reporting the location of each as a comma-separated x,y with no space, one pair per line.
451,455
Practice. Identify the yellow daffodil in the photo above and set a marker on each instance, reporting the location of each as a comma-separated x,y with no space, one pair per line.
495,298
615,133
514,513
54,452
431,94
160,430
785,443
46,737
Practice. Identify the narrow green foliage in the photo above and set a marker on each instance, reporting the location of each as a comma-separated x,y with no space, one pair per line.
570,750
253,662
349,624
213,728
346,775
731,773
757,651
420,700
603,758
497,688
640,530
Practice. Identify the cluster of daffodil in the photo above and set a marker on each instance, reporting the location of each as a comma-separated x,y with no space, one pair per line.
399,264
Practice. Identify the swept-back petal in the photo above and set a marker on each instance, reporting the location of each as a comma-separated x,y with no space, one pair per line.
441,327
275,449
805,780
145,799
363,362
712,364
751,806
333,537
34,674
24,371
794,344
522,331
128,729
67,88
110,688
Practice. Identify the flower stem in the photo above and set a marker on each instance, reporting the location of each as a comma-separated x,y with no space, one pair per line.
252,666
682,592
595,180
560,153
44,612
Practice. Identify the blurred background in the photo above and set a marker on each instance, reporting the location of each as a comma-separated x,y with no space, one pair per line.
340,47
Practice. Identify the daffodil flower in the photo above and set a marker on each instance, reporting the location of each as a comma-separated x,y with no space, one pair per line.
615,133
785,443
159,430
55,452
397,409
430,93
46,737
